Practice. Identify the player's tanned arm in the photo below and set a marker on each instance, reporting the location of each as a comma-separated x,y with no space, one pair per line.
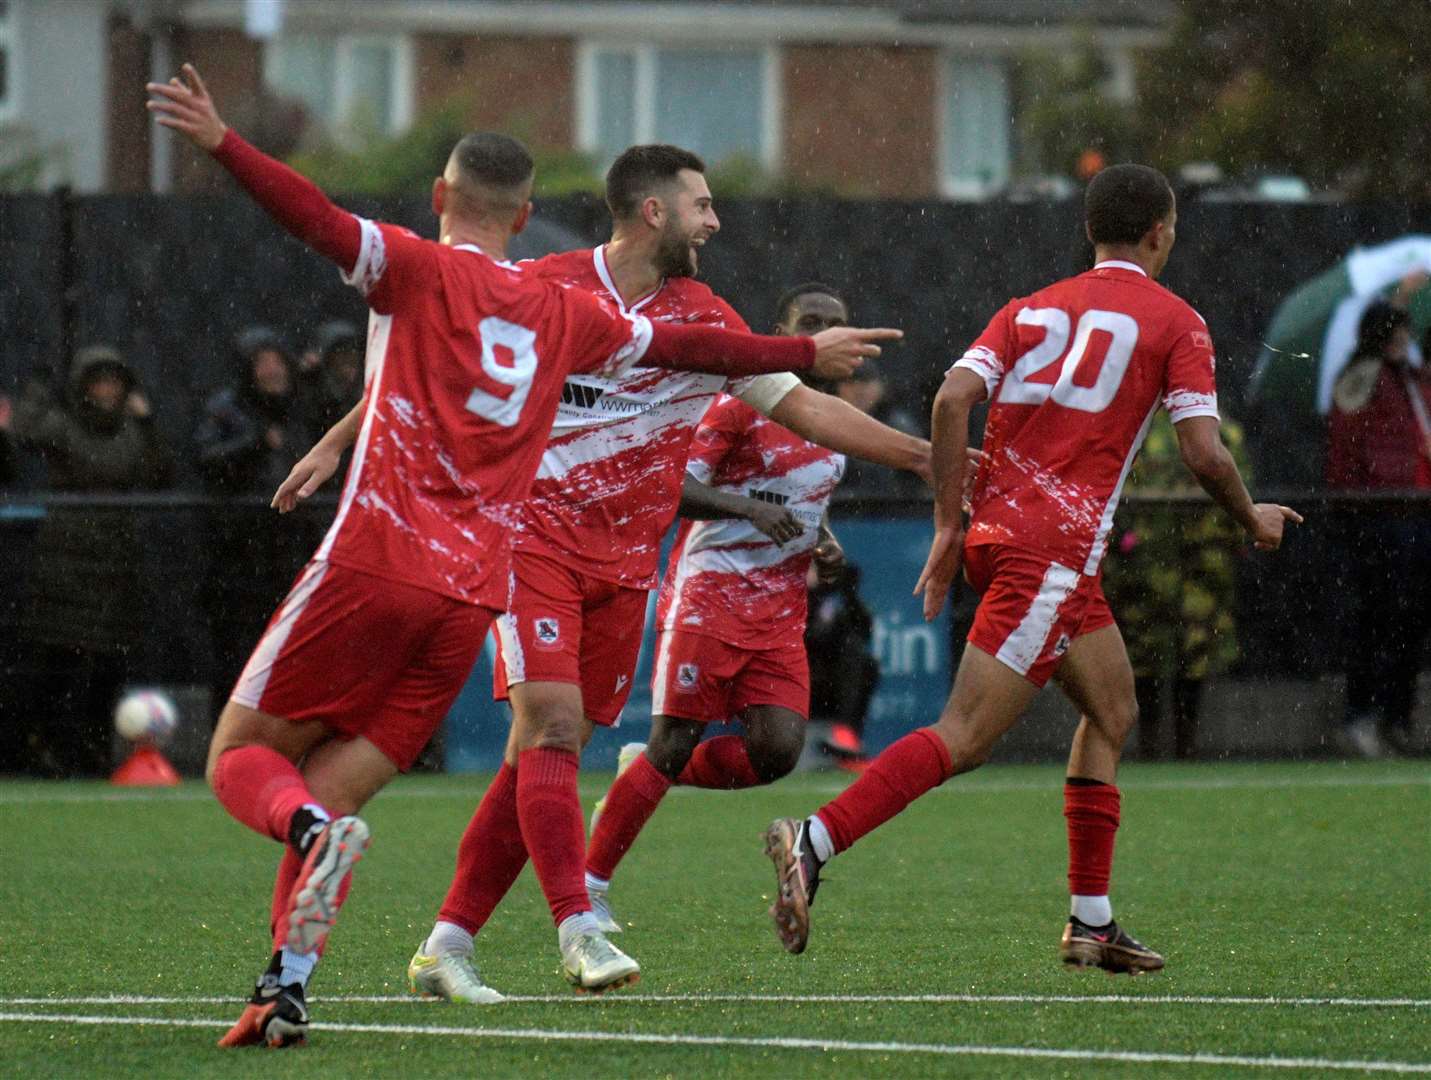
837,425
312,470
1200,443
962,390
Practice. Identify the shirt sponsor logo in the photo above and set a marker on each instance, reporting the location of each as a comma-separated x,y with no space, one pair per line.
582,396
769,496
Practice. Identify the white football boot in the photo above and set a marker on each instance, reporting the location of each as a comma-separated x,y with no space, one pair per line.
449,976
593,965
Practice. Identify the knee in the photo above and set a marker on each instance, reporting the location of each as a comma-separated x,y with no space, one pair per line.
968,747
775,754
554,725
671,746
1117,720
218,746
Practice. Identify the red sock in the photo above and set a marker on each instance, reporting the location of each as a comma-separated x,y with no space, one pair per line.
917,763
722,763
629,805
261,788
549,810
1092,813
283,883
489,858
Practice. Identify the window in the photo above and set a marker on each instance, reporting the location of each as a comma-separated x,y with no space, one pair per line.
356,88
720,102
9,92
975,126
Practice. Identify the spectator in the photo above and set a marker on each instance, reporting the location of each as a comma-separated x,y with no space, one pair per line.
867,391
79,618
331,373
1380,440
1172,581
253,430
251,433
843,670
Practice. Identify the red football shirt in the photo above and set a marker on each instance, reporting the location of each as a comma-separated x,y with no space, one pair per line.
726,579
610,480
466,360
1075,373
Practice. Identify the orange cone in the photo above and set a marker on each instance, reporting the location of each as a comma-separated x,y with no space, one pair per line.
146,767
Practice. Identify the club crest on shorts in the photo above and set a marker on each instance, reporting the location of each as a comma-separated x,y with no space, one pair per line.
686,676
1061,645
547,632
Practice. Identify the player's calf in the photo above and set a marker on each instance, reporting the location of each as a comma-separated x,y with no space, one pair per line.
318,893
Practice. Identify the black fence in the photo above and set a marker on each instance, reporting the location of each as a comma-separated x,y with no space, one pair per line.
170,280
204,574
1292,608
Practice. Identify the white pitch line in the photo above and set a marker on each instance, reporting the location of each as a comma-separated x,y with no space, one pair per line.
819,788
777,1043
787,999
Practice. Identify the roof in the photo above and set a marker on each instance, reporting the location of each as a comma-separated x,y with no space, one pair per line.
961,23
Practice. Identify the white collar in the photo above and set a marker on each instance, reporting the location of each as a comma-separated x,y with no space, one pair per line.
1120,264
598,257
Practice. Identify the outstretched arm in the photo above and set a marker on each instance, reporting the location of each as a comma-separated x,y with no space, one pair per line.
295,202
1200,443
831,354
837,425
962,390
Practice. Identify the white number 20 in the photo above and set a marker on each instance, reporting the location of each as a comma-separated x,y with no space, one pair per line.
521,341
1123,331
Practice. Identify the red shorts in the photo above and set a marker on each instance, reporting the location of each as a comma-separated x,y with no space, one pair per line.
366,656
697,677
1031,608
568,627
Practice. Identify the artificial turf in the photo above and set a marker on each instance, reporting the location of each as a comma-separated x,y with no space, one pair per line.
1273,882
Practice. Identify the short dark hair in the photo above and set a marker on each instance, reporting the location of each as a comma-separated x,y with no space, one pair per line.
790,295
640,169
1124,201
493,160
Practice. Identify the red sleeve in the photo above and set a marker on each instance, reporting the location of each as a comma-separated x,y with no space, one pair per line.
602,340
990,355
376,259
691,347
294,201
720,429
1190,383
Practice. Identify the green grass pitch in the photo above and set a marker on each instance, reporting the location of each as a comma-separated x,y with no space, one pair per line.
1291,901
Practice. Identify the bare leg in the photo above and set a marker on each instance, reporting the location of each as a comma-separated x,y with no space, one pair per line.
1097,677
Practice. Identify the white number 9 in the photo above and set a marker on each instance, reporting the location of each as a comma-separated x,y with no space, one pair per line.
492,332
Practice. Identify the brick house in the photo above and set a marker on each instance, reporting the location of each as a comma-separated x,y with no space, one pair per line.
911,99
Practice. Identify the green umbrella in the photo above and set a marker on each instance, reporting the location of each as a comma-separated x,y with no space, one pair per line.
1313,331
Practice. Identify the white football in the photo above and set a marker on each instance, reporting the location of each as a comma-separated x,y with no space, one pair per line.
146,716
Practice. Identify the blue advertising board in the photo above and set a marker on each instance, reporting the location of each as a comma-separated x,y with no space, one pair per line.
914,657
